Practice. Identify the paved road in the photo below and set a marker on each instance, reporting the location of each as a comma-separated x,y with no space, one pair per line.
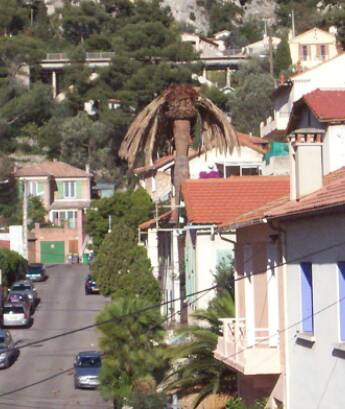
40,370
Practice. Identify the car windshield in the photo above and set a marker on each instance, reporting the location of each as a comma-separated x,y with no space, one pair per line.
2,342
21,287
14,310
34,269
89,362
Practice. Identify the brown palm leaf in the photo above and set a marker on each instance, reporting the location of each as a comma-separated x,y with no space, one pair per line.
217,131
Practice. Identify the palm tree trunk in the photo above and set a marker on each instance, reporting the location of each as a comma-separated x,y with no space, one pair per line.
182,137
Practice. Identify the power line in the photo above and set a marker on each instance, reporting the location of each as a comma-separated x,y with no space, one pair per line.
133,313
62,372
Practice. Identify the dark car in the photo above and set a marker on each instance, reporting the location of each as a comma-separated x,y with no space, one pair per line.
91,285
87,367
15,297
8,351
25,287
36,272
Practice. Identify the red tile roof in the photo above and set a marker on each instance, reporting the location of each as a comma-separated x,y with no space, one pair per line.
216,201
50,168
326,105
165,217
331,195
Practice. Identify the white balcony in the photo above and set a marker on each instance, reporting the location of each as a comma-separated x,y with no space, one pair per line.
249,351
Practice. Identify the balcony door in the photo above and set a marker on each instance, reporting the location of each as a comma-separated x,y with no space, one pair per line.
272,294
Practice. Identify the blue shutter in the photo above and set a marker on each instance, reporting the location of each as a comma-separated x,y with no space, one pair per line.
307,298
341,266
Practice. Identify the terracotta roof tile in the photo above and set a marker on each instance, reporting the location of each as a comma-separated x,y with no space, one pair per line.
50,168
219,201
331,195
326,104
166,217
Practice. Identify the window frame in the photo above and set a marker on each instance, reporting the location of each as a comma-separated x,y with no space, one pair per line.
307,296
67,188
341,295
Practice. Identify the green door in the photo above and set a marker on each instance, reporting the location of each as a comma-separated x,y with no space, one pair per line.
52,252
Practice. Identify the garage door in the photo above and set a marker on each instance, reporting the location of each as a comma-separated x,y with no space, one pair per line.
52,252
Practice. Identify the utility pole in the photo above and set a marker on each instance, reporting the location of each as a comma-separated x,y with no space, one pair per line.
293,23
25,220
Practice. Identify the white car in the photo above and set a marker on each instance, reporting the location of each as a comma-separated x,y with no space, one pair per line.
16,315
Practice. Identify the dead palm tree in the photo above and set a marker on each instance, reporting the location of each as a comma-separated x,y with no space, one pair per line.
168,120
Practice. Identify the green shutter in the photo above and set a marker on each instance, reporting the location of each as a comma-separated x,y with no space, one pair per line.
20,187
40,187
190,270
79,188
60,192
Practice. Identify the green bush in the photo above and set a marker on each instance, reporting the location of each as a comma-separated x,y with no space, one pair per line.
13,266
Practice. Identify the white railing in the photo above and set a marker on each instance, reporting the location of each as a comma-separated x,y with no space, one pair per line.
56,56
103,55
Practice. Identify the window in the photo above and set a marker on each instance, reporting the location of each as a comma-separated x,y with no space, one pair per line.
323,52
225,171
34,188
69,189
60,217
341,268
305,52
307,298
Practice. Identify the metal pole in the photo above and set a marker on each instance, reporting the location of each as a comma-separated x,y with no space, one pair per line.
270,45
25,220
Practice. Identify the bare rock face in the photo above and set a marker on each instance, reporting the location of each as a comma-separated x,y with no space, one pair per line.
259,9
190,12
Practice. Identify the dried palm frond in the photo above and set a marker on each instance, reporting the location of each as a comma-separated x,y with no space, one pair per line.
142,132
217,131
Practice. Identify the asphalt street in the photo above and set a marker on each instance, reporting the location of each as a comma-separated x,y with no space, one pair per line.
42,377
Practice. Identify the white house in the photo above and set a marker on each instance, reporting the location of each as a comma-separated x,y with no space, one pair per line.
312,47
323,109
329,74
287,340
261,48
247,159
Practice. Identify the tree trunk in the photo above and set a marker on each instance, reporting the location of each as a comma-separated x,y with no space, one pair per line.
182,137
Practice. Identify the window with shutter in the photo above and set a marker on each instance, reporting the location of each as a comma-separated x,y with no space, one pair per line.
307,298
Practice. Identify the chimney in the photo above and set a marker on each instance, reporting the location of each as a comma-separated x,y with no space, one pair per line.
306,174
87,168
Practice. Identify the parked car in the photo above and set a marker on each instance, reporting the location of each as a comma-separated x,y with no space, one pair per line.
36,272
8,351
25,287
16,315
87,367
91,285
17,297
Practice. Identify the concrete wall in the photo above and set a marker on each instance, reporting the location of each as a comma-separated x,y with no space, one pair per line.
316,371
334,148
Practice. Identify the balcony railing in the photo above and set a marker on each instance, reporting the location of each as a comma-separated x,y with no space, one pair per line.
251,351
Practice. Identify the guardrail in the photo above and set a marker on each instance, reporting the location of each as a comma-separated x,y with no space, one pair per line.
102,55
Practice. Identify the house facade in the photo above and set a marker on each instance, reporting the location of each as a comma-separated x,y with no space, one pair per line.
327,75
286,341
312,47
65,193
